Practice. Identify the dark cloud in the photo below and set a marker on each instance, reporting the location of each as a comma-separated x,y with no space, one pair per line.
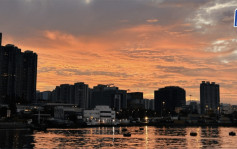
186,71
88,72
72,71
80,18
46,69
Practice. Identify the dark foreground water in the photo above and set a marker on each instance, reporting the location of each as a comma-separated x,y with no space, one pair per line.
111,137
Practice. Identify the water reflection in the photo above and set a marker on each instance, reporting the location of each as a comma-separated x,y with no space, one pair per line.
209,132
18,138
112,137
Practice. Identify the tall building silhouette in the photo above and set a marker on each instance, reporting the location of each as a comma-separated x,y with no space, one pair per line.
81,95
10,70
64,93
29,76
77,94
135,100
56,95
108,95
209,97
135,95
18,73
169,98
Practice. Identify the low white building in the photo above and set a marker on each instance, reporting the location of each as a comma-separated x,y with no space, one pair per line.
99,115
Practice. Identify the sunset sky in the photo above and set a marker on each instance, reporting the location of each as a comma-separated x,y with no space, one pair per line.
140,45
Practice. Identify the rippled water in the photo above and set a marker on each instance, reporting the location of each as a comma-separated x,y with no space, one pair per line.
112,137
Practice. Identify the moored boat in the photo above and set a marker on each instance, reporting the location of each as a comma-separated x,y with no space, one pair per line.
127,134
232,133
193,134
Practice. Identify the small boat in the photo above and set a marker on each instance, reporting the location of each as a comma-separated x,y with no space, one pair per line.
232,133
193,134
124,129
141,128
128,134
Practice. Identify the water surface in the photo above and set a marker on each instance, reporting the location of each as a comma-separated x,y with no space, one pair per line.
112,137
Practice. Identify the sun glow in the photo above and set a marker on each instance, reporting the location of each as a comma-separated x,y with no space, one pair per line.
88,1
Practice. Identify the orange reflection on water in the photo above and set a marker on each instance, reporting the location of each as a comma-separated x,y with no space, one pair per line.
149,137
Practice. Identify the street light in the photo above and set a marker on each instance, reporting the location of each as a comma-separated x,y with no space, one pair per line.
146,119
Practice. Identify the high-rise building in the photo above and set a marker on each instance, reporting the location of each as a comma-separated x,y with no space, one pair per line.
193,106
152,104
56,95
146,103
135,100
72,94
110,96
168,99
29,75
77,94
81,95
18,73
10,70
209,97
135,95
43,96
64,93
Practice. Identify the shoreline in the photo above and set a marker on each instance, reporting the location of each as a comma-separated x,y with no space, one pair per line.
20,125
13,125
155,125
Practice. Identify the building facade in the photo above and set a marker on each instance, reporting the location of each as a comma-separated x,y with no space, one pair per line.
43,96
99,115
29,76
135,100
81,91
110,96
209,97
148,104
18,74
168,99
64,95
77,94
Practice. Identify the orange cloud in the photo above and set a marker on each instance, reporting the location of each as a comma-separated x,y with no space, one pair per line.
139,58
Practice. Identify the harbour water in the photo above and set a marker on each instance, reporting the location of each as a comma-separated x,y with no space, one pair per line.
112,137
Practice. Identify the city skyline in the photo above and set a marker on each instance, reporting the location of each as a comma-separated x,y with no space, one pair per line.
136,45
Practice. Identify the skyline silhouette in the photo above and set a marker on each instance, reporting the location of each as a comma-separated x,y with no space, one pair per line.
163,43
